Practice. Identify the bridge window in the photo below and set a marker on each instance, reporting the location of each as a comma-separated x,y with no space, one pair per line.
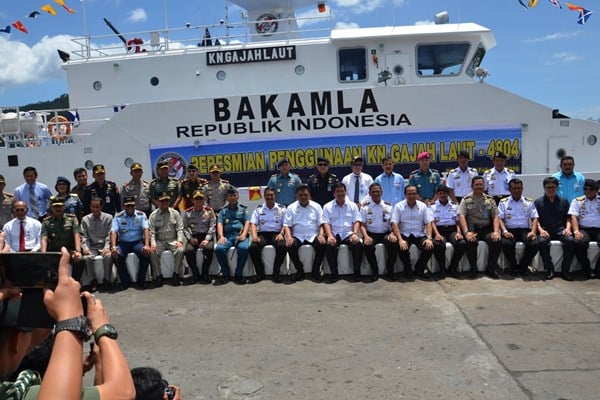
444,59
476,60
352,64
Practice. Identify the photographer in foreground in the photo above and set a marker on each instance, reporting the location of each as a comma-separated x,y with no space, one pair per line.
63,378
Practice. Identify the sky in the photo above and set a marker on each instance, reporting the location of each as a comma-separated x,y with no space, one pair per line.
541,53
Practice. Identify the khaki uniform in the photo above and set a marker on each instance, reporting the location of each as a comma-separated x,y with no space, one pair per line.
6,202
166,229
216,193
141,191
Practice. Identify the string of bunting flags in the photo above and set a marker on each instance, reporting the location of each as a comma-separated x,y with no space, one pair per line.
34,14
582,18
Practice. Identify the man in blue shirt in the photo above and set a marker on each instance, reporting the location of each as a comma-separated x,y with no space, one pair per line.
284,183
35,194
129,234
570,182
391,182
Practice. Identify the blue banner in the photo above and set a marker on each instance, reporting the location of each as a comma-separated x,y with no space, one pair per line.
251,163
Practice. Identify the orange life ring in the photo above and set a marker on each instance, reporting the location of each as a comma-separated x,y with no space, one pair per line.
59,128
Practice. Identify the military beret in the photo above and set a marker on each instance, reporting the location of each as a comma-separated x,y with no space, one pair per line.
423,155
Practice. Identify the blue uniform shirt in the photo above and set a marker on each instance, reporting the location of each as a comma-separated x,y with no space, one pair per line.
42,195
233,219
392,186
426,182
130,228
285,187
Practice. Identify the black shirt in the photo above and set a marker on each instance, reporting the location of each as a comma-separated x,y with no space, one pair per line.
553,216
321,187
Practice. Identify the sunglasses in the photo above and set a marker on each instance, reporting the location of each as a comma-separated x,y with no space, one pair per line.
20,210
322,164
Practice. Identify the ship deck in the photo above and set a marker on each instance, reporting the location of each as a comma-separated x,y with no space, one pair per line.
460,339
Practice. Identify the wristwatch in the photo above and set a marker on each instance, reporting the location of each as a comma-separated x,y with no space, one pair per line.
79,325
107,330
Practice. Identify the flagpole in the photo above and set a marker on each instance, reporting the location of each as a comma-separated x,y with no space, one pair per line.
85,30
166,25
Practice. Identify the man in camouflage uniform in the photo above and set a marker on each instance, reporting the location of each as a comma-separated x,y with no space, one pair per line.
164,184
6,202
478,219
215,190
138,188
166,233
425,179
321,183
107,191
62,230
189,185
199,225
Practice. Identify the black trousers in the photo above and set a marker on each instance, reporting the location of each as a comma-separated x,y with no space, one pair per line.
494,248
568,251
390,248
255,251
423,257
508,248
331,252
439,247
581,248
319,254
207,255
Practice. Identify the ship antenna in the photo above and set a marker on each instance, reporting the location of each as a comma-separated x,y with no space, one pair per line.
227,21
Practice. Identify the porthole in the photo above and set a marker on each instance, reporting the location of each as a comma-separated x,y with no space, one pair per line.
560,153
154,81
97,85
89,164
398,69
221,75
299,70
128,162
592,140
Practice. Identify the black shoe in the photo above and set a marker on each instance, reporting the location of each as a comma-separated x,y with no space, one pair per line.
238,280
472,273
204,280
566,275
299,276
491,272
193,280
121,287
524,271
513,272
408,273
355,278
375,277
316,277
158,282
391,278
331,279
276,279
222,280
549,275
142,286
176,281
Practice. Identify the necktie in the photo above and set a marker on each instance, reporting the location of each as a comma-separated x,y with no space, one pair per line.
356,187
22,237
35,212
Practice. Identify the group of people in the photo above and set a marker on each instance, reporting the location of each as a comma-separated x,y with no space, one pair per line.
98,220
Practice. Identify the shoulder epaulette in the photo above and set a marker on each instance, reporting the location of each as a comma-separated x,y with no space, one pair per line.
414,172
9,194
208,208
434,170
120,213
510,170
242,205
224,181
184,180
154,180
274,175
71,215
139,212
387,203
189,209
528,198
366,203
580,198
505,199
126,183
145,181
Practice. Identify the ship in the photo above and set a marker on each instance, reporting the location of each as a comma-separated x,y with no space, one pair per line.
267,89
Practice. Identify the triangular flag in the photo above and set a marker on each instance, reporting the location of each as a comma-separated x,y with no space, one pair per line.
556,3
584,14
533,3
18,25
6,30
33,14
523,4
254,193
66,7
48,8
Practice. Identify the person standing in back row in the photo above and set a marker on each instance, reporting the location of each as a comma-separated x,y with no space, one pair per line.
357,182
570,182
321,183
497,178
107,191
284,183
425,179
35,194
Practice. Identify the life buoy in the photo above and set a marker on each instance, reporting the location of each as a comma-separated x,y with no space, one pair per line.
134,42
59,128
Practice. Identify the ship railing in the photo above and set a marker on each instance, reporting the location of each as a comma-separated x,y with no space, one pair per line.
194,37
56,127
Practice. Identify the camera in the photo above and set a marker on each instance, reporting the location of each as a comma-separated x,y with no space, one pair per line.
170,392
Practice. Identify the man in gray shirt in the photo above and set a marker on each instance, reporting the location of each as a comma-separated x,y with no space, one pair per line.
95,241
